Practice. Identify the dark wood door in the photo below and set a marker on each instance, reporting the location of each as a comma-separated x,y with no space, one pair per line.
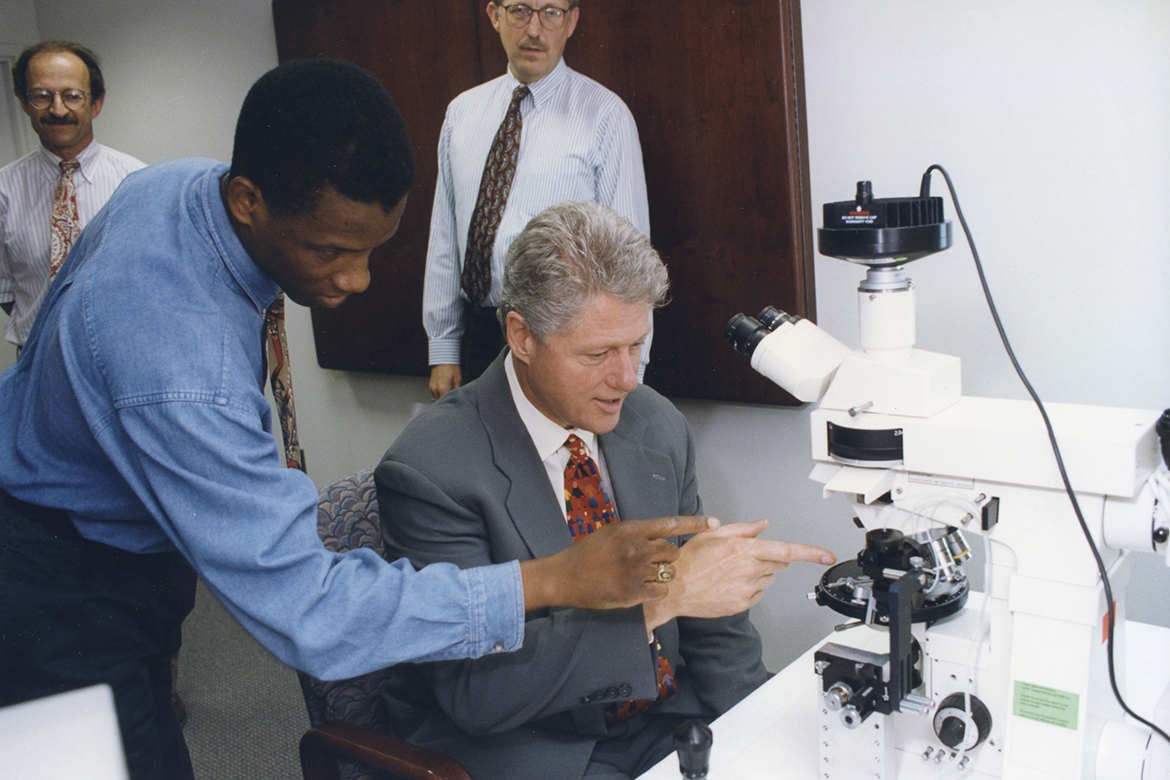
718,96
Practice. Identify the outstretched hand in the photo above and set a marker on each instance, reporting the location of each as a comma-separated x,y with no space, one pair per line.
726,571
615,566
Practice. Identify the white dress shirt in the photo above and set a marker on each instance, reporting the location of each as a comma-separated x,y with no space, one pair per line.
26,206
578,142
549,439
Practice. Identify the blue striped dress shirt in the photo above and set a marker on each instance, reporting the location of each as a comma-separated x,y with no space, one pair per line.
579,142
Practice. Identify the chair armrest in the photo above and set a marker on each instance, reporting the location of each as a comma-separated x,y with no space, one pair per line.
321,746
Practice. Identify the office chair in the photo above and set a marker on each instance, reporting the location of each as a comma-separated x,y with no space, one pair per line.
349,718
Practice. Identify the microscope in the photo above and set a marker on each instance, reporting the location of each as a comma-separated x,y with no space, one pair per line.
928,678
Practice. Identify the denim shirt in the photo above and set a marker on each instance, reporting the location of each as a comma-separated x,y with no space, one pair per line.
137,405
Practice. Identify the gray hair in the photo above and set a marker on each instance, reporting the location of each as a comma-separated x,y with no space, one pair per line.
571,252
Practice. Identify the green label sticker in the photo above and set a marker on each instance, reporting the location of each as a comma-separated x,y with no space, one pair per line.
1047,705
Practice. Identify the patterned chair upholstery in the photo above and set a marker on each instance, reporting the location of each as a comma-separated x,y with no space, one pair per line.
350,718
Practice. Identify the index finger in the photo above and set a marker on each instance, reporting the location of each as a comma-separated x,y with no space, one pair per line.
679,525
791,552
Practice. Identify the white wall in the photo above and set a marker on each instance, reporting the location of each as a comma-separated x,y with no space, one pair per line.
176,72
18,24
1051,117
18,28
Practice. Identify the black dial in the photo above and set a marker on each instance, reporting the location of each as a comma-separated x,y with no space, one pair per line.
958,728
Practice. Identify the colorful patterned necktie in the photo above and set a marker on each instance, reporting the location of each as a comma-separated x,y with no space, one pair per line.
65,224
587,508
494,186
281,373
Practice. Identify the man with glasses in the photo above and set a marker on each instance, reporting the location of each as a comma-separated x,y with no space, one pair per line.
47,196
570,139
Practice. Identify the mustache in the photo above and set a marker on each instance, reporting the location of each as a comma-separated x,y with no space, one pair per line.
533,43
58,120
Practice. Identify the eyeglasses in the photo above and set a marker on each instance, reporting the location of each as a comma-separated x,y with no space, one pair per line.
551,17
43,98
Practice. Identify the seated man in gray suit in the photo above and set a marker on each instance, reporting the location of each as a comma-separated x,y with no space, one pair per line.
494,472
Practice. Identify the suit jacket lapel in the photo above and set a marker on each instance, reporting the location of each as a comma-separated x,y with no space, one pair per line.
643,479
530,502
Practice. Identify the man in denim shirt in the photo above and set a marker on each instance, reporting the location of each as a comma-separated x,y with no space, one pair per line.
136,445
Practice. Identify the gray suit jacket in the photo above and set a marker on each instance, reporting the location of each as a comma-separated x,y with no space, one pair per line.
464,484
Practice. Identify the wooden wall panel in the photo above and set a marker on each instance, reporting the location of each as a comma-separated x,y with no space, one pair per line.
424,54
717,92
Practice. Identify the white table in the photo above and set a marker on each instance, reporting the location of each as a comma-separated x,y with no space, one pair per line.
773,732
71,735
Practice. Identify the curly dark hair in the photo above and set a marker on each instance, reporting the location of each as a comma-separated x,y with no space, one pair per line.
311,125
97,84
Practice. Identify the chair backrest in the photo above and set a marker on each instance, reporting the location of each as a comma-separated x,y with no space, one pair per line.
347,518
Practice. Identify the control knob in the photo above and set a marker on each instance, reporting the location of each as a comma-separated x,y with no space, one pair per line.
961,727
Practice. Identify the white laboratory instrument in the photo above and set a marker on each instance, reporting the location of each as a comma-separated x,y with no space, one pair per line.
931,679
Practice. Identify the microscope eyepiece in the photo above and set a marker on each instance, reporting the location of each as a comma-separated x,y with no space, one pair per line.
745,333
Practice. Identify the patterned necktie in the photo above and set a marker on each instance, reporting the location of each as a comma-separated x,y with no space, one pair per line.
587,508
65,224
494,186
281,373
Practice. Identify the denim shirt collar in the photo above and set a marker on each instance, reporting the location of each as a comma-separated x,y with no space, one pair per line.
256,284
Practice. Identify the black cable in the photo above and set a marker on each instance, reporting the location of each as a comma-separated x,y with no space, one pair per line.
925,191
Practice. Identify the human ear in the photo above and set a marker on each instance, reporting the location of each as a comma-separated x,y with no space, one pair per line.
244,200
520,338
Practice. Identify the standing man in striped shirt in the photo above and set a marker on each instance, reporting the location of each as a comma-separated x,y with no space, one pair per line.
573,139
47,196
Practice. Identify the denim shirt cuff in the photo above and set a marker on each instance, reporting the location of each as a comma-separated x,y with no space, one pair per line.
497,593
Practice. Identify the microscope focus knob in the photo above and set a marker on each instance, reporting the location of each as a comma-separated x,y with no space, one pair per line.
837,696
692,740
959,729
952,730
